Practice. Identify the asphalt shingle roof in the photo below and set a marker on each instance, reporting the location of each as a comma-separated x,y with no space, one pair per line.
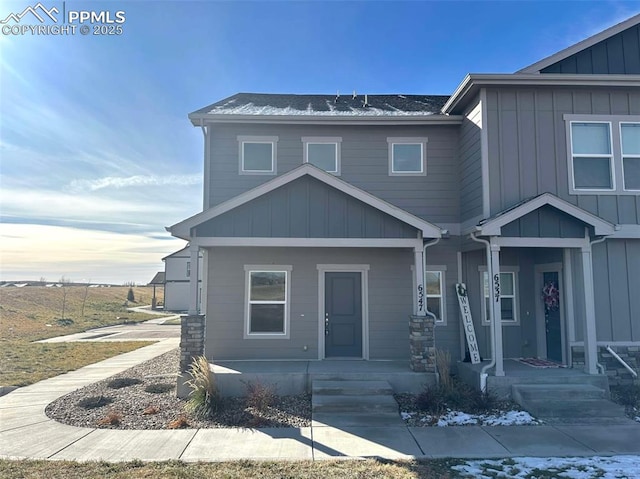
327,105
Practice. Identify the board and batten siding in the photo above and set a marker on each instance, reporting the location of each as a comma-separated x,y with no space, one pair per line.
619,54
527,144
471,163
364,164
616,280
306,208
390,301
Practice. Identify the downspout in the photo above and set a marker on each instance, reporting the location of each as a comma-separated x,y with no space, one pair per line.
598,365
492,363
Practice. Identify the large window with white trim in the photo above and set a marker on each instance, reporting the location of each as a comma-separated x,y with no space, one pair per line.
323,152
267,301
407,156
257,155
603,154
508,290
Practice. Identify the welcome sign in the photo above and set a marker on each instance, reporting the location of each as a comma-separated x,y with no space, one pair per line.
467,323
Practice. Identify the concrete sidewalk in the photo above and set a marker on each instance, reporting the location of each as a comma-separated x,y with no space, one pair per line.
26,432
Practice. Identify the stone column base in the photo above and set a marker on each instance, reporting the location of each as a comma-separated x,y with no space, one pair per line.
422,350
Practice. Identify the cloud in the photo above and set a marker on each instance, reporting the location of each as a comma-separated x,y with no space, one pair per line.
134,181
32,251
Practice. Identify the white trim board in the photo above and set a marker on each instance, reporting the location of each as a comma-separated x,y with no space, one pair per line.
208,242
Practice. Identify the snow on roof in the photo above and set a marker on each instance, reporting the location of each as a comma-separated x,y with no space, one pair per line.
326,105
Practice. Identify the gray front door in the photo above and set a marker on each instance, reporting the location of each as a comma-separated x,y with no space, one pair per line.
343,315
553,326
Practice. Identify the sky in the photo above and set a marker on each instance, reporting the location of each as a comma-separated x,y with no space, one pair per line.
97,155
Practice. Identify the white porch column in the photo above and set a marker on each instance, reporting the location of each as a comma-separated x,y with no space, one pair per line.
494,297
193,279
590,346
420,308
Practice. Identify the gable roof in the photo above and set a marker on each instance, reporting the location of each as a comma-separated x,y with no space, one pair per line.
268,107
583,45
492,226
178,254
183,229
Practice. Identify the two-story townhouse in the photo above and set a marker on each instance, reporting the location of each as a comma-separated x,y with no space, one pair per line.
329,220
177,278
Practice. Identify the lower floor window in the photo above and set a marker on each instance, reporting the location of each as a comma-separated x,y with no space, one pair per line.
435,290
267,301
508,290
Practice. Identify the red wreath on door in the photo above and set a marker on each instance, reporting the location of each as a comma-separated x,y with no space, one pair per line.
551,296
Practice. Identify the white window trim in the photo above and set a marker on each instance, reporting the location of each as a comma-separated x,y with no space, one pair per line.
422,141
252,268
617,171
434,268
623,156
516,293
323,140
242,140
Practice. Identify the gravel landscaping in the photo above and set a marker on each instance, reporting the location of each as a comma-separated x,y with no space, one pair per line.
143,397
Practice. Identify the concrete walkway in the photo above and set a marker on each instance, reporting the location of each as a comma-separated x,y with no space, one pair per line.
26,432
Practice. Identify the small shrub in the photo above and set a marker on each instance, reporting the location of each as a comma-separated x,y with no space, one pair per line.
443,364
120,383
204,398
627,395
178,423
159,388
94,402
130,296
259,395
151,410
432,400
113,418
64,322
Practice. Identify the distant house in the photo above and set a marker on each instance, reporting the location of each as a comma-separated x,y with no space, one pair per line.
329,220
177,275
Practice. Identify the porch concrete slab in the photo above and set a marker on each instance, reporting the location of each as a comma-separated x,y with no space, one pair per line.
260,444
385,419
261,367
14,417
621,439
127,445
39,441
538,441
383,442
467,441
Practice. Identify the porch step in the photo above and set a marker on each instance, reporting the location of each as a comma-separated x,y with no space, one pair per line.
566,401
354,403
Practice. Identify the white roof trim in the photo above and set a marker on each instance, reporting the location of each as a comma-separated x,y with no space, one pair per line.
583,45
474,81
183,229
493,227
200,119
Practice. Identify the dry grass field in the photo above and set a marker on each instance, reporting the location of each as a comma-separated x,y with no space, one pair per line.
33,312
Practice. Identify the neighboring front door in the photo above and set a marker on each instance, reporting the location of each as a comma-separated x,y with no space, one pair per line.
553,325
343,314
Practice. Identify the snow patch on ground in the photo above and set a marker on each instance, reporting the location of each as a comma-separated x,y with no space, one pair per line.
614,467
459,418
251,109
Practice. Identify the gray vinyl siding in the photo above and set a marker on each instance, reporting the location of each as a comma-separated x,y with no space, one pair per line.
528,146
390,301
619,54
545,222
364,163
306,208
471,163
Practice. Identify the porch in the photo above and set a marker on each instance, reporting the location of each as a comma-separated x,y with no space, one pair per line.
517,372
296,377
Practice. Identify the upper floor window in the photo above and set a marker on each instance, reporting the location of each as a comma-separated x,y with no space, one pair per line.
323,152
604,154
630,139
257,155
407,156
